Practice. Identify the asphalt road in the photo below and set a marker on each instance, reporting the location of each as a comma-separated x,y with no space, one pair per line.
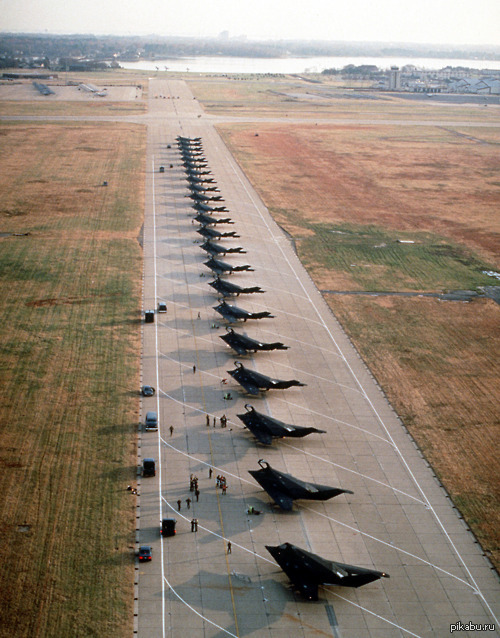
399,520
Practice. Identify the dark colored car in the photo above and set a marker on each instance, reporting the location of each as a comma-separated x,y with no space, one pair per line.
168,527
145,553
162,306
149,316
148,467
151,422
147,391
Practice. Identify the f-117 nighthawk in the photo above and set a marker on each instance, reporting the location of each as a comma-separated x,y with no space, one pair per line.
285,488
227,288
234,313
211,233
255,382
201,197
207,220
197,179
201,206
203,188
219,249
265,427
220,267
182,139
307,571
197,171
243,344
191,164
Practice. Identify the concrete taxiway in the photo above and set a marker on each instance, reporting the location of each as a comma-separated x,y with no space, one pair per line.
399,519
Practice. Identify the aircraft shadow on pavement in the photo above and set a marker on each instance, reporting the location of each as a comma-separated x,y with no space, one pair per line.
216,596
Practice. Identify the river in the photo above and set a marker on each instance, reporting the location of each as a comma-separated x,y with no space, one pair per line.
227,64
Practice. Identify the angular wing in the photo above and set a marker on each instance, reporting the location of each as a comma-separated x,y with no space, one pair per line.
226,311
245,380
234,343
225,287
260,433
269,480
281,499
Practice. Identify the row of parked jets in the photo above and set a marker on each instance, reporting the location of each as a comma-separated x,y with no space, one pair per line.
305,570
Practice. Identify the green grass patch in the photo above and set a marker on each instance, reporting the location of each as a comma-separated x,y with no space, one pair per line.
378,259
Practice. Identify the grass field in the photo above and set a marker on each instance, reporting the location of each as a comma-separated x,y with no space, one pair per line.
291,96
347,196
87,109
70,344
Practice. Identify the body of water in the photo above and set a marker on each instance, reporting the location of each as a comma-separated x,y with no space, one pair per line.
226,64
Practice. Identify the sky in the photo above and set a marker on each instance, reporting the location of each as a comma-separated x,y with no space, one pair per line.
457,22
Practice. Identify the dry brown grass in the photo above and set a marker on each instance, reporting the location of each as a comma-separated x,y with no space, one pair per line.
69,344
438,362
411,178
61,108
293,97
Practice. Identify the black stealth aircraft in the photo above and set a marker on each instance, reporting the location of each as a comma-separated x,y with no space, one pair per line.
285,488
183,138
219,249
227,288
201,197
243,344
307,571
255,382
220,267
212,233
196,171
207,220
200,206
265,427
234,313
203,188
194,165
194,178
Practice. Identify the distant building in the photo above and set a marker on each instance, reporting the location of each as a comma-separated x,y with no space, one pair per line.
490,87
394,79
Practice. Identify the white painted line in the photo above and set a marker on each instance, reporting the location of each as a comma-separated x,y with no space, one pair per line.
158,402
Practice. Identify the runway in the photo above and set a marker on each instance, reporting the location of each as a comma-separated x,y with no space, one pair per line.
399,520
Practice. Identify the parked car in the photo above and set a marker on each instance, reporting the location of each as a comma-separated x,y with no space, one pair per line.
145,553
151,422
168,527
148,467
147,391
162,306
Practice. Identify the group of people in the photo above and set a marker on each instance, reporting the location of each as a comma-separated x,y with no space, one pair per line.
221,482
223,421
193,487
193,483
